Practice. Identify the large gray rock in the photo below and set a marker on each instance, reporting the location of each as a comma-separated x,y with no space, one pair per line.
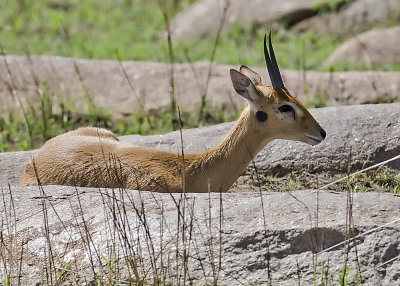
354,18
104,84
203,17
357,137
234,238
376,47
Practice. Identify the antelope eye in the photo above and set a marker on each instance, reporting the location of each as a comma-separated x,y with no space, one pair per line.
261,116
286,108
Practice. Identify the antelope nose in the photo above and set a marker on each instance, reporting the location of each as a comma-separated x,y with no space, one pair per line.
323,133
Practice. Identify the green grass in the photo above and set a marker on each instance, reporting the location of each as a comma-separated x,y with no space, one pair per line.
381,180
293,183
136,29
96,29
17,133
330,6
87,29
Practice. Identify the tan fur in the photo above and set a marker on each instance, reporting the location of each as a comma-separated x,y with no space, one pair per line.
92,157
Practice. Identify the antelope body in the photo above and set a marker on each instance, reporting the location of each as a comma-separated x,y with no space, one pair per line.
93,157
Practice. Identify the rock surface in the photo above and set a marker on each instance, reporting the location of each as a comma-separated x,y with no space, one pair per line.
372,48
357,137
236,238
233,238
354,18
191,23
106,86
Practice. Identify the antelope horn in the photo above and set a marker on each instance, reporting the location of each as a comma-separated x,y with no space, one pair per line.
272,65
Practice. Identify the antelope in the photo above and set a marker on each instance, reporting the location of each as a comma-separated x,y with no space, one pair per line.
93,157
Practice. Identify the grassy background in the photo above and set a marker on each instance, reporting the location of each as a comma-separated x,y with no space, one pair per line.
136,29
96,29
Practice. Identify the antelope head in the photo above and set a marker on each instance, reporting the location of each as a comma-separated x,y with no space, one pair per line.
277,114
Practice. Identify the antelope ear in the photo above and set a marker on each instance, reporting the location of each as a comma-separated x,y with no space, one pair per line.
243,85
255,78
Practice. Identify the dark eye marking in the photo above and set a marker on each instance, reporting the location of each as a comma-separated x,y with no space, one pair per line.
286,108
261,116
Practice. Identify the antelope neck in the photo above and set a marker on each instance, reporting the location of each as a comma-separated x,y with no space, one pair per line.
226,162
